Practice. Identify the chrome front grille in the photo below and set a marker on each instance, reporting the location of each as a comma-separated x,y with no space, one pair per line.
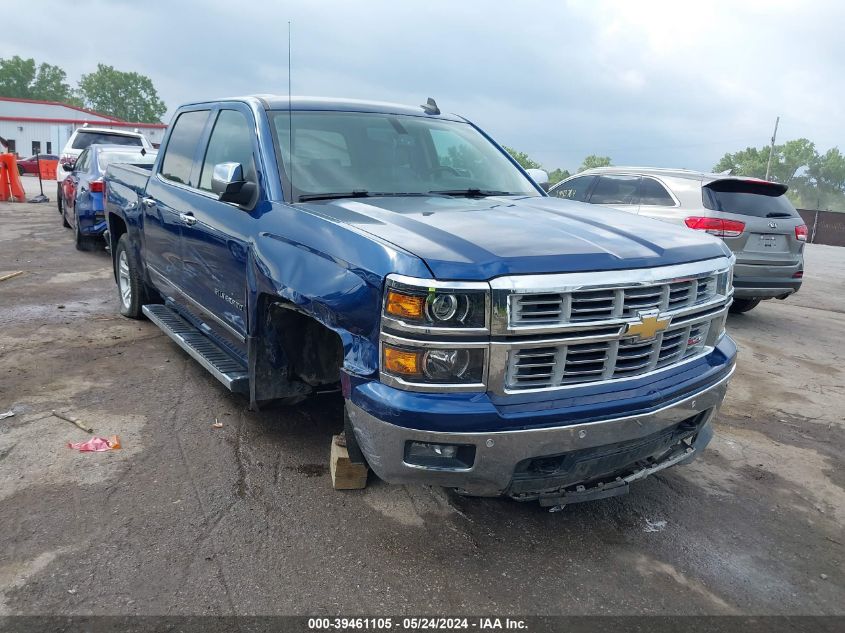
549,309
549,366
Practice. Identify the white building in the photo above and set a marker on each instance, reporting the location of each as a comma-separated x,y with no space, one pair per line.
45,126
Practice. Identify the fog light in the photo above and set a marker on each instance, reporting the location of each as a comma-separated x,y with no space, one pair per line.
439,456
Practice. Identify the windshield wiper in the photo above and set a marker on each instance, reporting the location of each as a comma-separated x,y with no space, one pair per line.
472,192
355,193
360,193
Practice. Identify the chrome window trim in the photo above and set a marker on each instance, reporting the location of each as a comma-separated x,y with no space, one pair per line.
503,288
400,282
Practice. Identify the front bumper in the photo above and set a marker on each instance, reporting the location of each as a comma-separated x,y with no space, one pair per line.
499,454
756,281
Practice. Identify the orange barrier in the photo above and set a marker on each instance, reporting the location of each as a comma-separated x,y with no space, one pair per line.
48,169
11,187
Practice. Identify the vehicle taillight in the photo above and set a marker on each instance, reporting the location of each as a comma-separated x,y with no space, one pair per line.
97,186
716,226
801,232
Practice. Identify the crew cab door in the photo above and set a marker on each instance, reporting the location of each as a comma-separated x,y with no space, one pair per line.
215,242
168,202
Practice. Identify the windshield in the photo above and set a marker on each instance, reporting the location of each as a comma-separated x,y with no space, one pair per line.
104,159
378,154
84,139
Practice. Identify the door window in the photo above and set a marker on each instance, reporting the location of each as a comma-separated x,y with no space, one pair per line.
230,142
182,147
82,162
575,189
616,190
36,147
654,194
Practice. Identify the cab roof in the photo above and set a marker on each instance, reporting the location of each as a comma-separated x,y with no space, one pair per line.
331,104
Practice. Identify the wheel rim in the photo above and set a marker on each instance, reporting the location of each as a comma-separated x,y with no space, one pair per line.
123,280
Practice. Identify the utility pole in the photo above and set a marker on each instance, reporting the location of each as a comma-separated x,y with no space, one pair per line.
772,148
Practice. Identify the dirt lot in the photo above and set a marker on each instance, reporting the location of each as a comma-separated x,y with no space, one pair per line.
189,519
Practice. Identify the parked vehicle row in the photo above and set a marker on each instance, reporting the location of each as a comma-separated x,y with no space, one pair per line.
80,195
485,336
753,217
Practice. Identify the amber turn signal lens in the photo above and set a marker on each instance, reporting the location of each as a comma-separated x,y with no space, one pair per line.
401,362
408,306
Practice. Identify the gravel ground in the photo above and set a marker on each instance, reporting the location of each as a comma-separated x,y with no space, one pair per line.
191,519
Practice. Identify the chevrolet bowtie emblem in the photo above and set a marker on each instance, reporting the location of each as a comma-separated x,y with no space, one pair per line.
648,326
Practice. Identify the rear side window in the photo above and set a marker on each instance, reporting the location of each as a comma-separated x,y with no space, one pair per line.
230,142
575,189
84,139
758,199
82,162
182,147
654,194
616,190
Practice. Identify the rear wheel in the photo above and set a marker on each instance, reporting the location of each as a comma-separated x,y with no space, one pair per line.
743,305
59,197
65,223
130,284
83,242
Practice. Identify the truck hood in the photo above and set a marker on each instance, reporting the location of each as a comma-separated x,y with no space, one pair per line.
463,238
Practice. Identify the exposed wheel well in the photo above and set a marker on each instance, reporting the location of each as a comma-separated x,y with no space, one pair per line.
293,353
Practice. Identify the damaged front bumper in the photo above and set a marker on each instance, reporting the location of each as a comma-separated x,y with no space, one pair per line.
557,465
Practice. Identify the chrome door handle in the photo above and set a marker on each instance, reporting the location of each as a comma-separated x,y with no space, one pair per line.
149,202
188,218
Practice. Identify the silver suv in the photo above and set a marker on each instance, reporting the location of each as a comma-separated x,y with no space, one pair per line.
753,217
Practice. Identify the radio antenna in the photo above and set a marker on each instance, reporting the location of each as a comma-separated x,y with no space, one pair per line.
290,122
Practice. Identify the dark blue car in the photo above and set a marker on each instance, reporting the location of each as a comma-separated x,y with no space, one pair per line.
81,191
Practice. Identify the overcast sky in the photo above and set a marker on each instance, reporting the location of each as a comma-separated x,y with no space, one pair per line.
671,83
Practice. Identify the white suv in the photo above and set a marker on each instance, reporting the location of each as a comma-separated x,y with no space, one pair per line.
84,136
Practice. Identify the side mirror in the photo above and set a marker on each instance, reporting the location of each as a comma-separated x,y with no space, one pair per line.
540,176
227,181
67,166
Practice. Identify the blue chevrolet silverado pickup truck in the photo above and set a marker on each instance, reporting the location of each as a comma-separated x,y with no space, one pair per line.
485,337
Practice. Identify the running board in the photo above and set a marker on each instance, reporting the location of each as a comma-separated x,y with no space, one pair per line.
206,352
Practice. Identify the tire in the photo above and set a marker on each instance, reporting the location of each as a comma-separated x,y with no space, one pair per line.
20,171
131,290
65,223
743,305
83,243
59,198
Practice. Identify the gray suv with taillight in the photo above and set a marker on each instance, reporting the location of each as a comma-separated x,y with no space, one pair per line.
753,217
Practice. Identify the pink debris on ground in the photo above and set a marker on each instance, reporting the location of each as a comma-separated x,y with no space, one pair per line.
96,444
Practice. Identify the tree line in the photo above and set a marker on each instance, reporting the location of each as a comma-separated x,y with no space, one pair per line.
815,180
125,95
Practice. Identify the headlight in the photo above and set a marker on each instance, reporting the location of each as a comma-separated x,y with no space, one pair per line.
420,304
441,365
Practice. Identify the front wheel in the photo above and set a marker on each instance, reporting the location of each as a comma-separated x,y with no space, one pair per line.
130,285
743,305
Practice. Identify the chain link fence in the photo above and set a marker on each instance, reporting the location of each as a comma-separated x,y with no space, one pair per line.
824,227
